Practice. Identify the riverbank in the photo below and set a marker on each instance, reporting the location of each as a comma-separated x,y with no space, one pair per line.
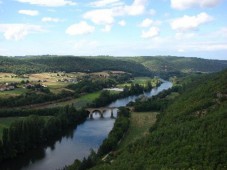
88,135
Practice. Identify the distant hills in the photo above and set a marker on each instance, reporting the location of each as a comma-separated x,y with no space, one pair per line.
140,66
181,64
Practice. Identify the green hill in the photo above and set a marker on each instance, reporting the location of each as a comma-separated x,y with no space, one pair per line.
190,134
181,64
36,64
140,66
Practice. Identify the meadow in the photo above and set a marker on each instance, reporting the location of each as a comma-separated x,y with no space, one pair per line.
139,80
140,122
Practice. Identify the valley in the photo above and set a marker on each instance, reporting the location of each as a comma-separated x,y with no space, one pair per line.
53,105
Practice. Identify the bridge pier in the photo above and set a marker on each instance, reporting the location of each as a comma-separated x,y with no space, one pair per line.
101,114
101,111
111,114
91,115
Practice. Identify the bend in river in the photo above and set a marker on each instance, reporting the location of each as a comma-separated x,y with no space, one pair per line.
77,144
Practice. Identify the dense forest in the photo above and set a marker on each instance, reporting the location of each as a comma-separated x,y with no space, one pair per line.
36,131
138,66
69,64
121,126
180,64
190,132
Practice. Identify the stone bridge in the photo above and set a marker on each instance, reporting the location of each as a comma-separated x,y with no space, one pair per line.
100,110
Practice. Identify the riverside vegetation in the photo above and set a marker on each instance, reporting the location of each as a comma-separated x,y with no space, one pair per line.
40,127
190,131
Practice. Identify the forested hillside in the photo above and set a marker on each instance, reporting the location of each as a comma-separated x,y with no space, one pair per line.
191,133
181,64
69,64
163,65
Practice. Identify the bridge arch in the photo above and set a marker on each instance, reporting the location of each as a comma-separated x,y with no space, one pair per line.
100,110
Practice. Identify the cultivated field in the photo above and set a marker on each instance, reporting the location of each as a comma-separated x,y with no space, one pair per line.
141,81
140,122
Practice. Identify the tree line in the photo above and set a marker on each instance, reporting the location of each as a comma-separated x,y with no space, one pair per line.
109,144
35,131
107,97
38,64
190,133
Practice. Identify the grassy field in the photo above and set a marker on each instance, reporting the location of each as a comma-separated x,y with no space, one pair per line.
56,82
12,93
10,77
140,122
139,80
172,96
78,102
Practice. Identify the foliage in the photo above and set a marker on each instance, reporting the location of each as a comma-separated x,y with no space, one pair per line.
34,131
37,64
106,97
189,134
121,125
88,86
164,66
27,112
156,103
168,64
29,98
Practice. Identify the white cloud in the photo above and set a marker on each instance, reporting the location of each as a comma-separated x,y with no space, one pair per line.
102,16
107,16
107,28
102,3
137,7
146,22
29,12
50,3
151,33
185,4
18,31
122,23
183,35
80,29
50,19
181,50
187,23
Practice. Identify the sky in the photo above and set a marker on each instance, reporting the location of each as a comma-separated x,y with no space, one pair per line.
194,28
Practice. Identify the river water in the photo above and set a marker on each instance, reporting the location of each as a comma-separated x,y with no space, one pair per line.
77,143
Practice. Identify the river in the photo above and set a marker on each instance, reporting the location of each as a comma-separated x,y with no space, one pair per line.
77,143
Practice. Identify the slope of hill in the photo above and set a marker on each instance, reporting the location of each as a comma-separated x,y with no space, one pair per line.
190,134
90,64
69,64
182,64
141,66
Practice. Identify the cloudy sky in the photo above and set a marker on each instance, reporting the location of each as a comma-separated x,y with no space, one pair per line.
196,28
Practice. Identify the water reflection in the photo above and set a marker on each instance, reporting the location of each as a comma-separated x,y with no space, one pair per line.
76,144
